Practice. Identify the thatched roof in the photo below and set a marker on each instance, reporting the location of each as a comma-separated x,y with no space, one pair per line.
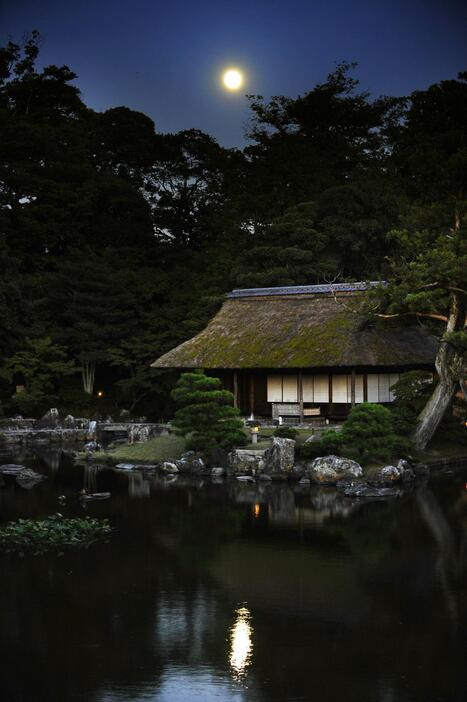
306,328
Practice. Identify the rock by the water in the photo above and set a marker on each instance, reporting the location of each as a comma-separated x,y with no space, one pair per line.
28,478
125,466
408,474
304,482
50,420
279,459
247,461
11,468
389,475
138,433
218,457
328,470
94,496
69,422
364,491
192,464
169,468
92,446
245,478
217,472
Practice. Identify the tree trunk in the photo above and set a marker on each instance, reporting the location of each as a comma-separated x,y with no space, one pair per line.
433,412
449,368
88,372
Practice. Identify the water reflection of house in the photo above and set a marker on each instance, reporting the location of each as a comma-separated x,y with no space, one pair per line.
303,352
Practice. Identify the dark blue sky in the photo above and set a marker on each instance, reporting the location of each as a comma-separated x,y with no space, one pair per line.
164,58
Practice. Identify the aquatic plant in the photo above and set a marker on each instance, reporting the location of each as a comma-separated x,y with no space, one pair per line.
54,533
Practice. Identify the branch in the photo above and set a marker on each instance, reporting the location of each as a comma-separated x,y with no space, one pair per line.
439,317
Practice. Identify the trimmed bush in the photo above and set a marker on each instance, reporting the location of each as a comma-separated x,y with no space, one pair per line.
285,433
206,416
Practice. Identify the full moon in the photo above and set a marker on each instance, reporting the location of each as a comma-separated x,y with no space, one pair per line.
232,79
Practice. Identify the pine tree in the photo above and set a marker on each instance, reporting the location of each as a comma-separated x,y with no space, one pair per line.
206,414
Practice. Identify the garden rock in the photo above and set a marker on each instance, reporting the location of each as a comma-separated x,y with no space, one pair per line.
169,468
218,472
28,478
192,464
50,420
369,492
247,461
389,475
328,470
279,459
11,468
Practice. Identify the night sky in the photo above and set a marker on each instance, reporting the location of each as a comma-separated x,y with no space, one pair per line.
164,58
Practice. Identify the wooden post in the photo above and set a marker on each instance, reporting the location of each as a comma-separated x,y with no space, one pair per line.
331,409
365,387
300,395
352,387
235,388
252,394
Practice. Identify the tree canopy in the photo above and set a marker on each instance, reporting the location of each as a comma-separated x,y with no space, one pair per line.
117,242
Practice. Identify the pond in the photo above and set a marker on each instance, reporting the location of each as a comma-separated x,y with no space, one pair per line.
236,592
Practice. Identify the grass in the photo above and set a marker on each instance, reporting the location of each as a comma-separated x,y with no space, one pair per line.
161,448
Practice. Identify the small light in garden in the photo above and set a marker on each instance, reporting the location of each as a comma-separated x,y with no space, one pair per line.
254,434
100,393
257,510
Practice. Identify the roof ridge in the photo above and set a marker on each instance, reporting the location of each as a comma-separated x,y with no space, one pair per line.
305,289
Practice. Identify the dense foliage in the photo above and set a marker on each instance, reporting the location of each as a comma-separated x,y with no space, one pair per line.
286,432
206,416
369,433
55,533
118,242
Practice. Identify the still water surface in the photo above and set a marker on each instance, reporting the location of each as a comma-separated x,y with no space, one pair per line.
221,591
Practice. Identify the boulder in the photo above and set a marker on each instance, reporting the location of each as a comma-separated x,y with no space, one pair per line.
92,446
408,474
218,457
370,492
217,472
139,433
11,468
395,474
328,470
389,475
169,468
279,459
247,461
192,464
50,420
125,466
28,478
69,422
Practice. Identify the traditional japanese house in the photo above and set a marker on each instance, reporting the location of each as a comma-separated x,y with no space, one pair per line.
304,352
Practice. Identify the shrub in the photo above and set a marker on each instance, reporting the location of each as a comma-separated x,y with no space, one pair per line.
286,432
53,533
206,416
369,432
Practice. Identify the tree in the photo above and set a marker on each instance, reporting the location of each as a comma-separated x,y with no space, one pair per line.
92,307
428,274
206,415
306,145
40,366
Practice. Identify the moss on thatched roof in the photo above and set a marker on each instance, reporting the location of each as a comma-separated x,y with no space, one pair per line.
298,331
